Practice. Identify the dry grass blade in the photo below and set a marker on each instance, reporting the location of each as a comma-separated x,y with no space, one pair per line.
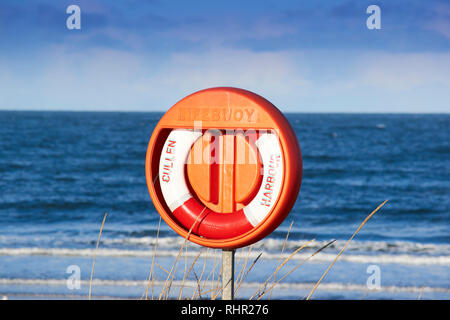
364,295
213,288
420,293
218,286
185,272
162,268
264,285
245,276
95,253
241,273
282,251
287,237
166,288
220,290
293,269
342,250
211,274
150,276
198,286
151,279
188,272
201,276
167,284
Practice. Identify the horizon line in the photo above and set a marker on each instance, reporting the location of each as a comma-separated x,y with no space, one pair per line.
163,111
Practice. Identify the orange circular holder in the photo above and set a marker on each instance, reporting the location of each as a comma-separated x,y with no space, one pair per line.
228,136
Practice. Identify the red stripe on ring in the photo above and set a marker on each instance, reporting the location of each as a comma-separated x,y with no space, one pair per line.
211,224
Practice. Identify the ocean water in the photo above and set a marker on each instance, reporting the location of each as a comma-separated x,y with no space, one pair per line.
60,172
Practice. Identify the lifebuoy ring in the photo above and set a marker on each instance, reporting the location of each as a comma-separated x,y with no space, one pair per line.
205,222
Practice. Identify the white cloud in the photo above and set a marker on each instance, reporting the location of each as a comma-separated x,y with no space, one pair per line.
405,71
112,79
441,22
273,73
294,80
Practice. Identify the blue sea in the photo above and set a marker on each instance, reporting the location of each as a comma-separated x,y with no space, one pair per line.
60,172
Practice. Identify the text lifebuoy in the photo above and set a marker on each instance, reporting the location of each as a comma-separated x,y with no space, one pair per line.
205,222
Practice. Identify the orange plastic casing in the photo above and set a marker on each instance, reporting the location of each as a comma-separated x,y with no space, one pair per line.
235,109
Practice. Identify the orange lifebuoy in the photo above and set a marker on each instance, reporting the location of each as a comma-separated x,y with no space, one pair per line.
253,200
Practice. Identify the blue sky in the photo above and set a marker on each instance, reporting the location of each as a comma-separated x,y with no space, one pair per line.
304,56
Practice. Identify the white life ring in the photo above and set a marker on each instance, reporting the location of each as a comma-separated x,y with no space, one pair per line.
187,209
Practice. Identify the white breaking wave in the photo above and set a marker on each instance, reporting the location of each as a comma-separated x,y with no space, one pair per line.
333,286
322,257
277,244
268,244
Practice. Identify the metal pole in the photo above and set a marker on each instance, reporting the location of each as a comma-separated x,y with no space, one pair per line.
228,274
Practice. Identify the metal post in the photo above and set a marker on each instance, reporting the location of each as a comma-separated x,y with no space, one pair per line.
228,274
